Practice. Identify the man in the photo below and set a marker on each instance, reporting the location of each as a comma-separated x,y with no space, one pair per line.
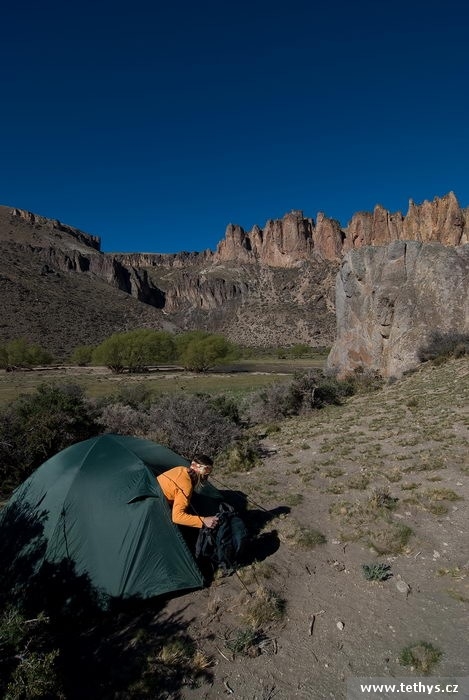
178,485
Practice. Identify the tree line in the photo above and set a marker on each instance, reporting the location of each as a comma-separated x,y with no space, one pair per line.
131,351
137,350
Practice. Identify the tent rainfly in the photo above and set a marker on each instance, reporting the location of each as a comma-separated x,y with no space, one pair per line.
100,507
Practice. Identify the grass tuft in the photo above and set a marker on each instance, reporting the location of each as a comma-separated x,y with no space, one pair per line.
264,607
421,656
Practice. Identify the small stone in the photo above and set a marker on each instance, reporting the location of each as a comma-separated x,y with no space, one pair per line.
436,555
340,625
402,586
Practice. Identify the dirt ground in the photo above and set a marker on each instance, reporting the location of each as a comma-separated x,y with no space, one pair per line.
385,479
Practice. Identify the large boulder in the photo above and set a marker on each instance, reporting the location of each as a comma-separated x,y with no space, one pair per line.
390,299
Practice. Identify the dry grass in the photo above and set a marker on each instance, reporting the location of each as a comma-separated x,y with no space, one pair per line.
263,608
256,572
292,533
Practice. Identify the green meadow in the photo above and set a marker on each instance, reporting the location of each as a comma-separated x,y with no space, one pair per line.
97,382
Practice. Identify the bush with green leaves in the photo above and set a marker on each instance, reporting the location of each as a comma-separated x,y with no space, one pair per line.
376,572
227,406
20,353
135,350
199,351
37,426
82,355
27,663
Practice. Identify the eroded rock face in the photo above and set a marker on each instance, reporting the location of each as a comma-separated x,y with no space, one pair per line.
390,299
286,242
281,243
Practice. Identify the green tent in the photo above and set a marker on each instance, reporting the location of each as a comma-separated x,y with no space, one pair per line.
99,506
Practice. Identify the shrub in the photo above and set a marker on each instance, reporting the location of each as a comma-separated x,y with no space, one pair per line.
82,355
189,424
19,353
135,350
442,345
305,393
34,677
241,456
37,426
124,420
300,350
264,607
202,352
376,572
390,538
135,395
292,533
244,641
227,407
28,663
422,656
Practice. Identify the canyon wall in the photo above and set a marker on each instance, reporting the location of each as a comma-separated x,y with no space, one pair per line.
390,299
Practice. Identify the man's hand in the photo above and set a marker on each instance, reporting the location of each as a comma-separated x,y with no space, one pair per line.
210,521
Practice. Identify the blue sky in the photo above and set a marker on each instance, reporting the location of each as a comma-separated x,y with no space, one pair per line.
154,125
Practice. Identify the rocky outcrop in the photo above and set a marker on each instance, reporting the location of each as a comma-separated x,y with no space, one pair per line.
390,299
441,221
202,292
282,242
165,260
286,242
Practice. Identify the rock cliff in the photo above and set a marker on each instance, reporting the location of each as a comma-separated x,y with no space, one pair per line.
285,242
390,299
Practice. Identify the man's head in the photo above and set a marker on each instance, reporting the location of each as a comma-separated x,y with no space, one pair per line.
202,465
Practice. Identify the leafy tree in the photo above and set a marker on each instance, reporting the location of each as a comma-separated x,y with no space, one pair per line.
135,350
183,340
19,353
82,355
200,354
111,353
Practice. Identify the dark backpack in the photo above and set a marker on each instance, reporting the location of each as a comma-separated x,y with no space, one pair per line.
225,544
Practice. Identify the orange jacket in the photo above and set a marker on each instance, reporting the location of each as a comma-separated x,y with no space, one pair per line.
177,486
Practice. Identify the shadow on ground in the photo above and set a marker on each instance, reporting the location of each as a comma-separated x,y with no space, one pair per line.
105,649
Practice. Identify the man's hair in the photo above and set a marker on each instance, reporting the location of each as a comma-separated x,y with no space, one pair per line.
202,459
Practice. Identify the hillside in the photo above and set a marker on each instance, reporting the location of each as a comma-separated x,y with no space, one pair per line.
60,290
